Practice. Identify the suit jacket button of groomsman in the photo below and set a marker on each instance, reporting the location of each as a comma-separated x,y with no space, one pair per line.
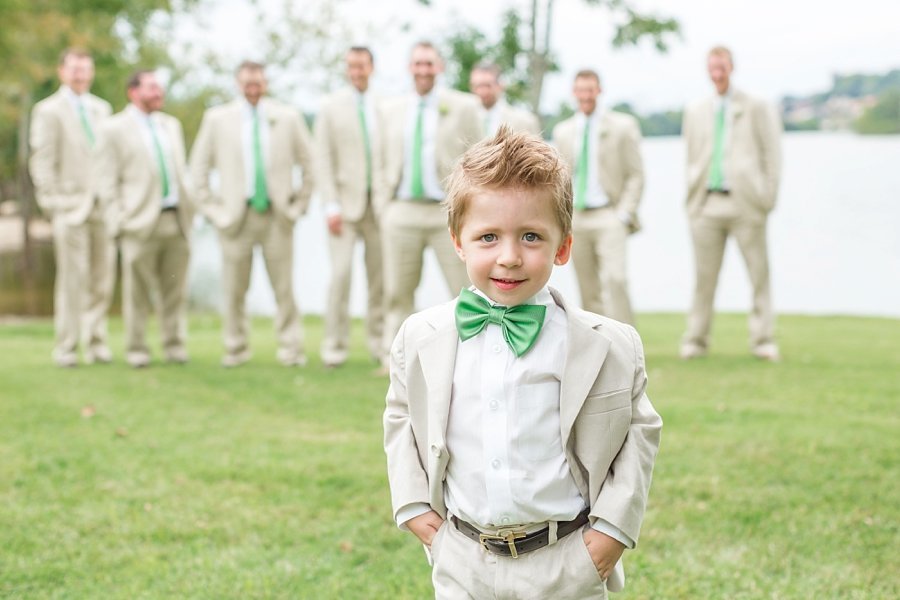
436,450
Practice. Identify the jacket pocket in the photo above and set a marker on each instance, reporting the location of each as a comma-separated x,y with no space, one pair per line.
607,401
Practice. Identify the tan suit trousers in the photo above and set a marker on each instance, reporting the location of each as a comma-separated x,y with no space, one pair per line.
85,277
562,571
407,228
155,269
598,253
720,217
275,235
336,342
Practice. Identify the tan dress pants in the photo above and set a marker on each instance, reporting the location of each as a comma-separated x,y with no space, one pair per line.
155,269
336,343
83,290
561,571
275,235
407,228
598,254
722,216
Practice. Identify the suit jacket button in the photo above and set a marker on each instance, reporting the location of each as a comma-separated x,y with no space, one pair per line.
436,451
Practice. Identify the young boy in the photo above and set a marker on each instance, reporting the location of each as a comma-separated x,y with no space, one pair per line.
519,438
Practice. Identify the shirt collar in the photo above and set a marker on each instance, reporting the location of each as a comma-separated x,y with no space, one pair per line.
594,117
542,297
71,95
249,109
138,113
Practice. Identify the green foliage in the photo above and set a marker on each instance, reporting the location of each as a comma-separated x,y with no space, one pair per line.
654,124
772,481
469,46
883,117
859,85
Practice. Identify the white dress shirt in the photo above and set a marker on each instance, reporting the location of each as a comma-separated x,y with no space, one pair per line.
247,142
77,102
145,122
430,117
507,465
596,198
718,101
491,117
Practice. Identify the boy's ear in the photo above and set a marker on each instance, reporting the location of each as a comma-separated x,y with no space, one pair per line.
456,246
564,251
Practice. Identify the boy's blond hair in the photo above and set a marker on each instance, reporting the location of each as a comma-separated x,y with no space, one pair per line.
510,160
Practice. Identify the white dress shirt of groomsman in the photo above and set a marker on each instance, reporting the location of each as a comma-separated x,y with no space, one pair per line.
485,81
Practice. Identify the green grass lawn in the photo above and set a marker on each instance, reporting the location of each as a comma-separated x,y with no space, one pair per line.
773,481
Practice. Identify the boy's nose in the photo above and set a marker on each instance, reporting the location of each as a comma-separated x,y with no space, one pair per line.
509,256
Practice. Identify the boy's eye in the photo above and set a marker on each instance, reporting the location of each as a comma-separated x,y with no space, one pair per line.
488,237
531,237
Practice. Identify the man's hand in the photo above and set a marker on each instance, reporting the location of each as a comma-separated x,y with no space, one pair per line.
604,550
335,224
425,526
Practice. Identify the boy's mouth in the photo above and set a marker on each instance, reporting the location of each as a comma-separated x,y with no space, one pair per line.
507,284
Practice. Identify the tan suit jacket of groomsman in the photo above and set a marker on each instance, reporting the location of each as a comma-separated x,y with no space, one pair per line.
751,173
61,169
607,422
219,147
410,225
343,187
153,235
517,118
601,234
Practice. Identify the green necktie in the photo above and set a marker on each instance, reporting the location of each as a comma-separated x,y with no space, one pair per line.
716,176
581,174
520,325
85,124
365,133
417,189
260,199
163,171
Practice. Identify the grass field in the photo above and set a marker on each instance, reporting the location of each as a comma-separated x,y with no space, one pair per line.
773,481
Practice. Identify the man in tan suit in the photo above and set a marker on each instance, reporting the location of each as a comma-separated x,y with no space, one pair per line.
603,149
254,144
733,170
484,82
423,135
349,162
141,175
63,139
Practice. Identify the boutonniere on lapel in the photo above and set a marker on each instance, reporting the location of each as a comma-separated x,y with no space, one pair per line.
271,121
443,109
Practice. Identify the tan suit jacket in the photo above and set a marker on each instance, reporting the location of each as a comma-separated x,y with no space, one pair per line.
603,390
619,155
61,156
127,175
459,126
219,147
341,157
519,119
752,153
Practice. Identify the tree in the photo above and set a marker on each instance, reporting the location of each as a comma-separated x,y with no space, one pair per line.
530,60
883,117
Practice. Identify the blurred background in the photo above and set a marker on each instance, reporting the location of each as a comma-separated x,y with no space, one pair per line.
833,70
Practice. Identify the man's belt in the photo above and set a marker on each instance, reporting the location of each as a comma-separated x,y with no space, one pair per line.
169,208
714,191
514,541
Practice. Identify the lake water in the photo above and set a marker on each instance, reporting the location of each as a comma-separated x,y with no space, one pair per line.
834,239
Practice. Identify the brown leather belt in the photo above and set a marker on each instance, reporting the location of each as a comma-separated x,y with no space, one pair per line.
512,542
720,192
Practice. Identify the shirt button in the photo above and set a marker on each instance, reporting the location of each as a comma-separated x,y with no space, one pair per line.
505,520
493,404
497,348
496,463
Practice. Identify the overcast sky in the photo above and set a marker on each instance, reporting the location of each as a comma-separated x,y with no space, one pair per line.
780,46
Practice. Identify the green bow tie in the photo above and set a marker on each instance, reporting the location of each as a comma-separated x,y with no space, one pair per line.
520,324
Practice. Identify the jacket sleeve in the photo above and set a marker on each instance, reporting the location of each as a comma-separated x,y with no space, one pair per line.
42,164
106,179
633,186
326,157
303,156
406,474
623,496
200,165
767,127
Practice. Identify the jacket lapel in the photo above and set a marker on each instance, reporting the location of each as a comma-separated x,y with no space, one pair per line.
588,348
437,353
